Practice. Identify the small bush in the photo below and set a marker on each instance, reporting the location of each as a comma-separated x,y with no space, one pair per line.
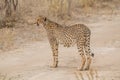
6,22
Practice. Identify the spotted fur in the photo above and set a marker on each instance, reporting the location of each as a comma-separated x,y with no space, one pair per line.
78,34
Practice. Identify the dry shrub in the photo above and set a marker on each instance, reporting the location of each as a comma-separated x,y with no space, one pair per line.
7,37
59,8
7,22
54,7
87,3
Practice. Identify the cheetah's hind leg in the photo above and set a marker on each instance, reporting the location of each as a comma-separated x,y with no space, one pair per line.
88,53
81,52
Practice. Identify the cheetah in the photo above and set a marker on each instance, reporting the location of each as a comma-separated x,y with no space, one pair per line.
78,34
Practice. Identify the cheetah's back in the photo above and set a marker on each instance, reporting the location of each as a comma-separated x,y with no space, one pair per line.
68,35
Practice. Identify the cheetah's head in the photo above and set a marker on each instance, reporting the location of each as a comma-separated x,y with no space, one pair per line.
40,20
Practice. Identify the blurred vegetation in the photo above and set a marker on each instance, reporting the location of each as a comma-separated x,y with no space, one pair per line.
8,10
12,10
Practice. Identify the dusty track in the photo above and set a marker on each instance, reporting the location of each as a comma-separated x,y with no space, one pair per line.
31,62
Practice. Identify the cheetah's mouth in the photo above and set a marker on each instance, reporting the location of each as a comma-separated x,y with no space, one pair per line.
37,24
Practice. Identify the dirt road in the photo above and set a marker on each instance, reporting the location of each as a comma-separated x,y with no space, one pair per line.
32,61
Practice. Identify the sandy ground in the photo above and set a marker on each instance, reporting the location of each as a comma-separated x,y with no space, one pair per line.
32,61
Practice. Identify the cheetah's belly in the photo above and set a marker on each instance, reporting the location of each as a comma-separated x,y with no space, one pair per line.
65,37
66,41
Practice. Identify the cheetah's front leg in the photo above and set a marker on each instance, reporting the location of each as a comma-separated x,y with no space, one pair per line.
55,54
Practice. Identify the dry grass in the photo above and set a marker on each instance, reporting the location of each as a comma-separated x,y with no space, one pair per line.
7,39
6,77
11,38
